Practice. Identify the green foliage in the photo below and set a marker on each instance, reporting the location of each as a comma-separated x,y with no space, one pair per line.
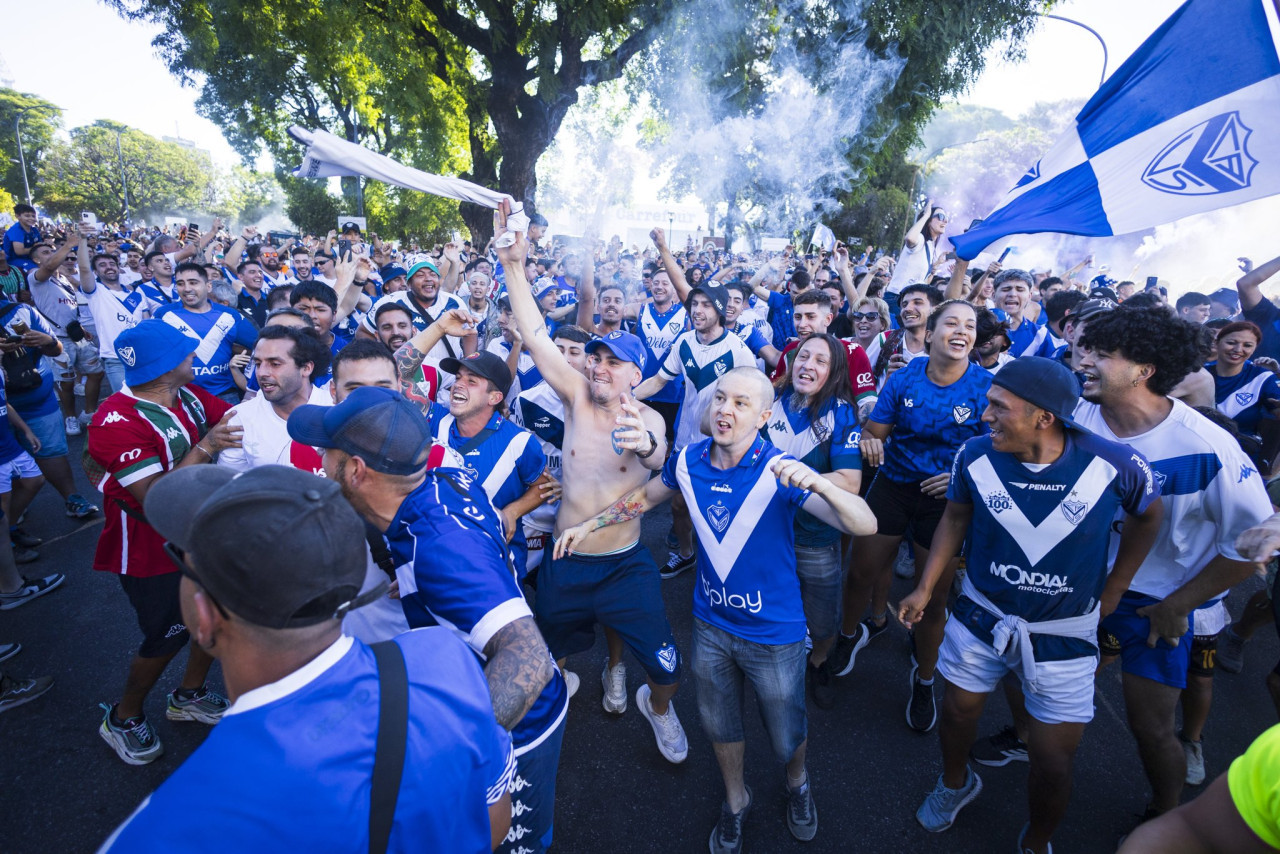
84,174
40,122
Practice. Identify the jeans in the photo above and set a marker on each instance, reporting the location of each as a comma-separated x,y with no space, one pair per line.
722,660
114,369
821,582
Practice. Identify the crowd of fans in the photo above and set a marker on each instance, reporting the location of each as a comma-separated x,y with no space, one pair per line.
1073,470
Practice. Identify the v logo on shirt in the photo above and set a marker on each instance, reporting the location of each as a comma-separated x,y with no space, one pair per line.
724,542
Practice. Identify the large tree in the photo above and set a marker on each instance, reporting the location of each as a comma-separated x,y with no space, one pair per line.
40,122
476,88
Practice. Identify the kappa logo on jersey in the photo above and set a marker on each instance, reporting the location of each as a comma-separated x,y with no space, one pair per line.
1246,472
998,502
1031,582
1074,510
113,418
689,363
1212,157
1244,398
668,657
719,517
172,433
961,413
127,355
778,425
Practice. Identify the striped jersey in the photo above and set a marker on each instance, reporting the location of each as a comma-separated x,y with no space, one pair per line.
701,365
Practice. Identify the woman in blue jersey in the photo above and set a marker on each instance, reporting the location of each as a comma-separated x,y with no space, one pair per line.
815,421
925,412
1242,388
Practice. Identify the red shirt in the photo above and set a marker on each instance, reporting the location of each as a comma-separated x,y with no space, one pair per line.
860,376
131,447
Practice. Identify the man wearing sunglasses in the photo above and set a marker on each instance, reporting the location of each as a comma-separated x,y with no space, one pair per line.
162,422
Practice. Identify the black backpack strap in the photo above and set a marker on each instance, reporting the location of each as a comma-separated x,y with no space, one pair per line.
393,730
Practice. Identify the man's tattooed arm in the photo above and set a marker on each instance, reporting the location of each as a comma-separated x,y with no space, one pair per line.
519,667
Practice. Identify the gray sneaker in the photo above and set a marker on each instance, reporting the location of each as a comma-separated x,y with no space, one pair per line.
135,741
726,836
802,814
15,692
667,730
1195,760
614,680
206,707
942,805
31,589
1231,652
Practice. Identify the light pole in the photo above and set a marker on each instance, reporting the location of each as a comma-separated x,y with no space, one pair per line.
124,181
1103,78
17,133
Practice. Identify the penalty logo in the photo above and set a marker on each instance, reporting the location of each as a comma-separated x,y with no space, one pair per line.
1212,157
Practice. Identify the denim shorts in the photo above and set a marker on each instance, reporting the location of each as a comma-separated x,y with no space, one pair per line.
51,430
821,581
721,660
114,369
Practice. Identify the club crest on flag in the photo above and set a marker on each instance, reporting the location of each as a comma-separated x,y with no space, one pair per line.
718,516
1032,174
961,413
1074,510
1244,397
1211,157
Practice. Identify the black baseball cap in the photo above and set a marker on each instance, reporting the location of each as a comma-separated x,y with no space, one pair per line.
491,366
350,226
276,546
1045,383
378,425
1089,308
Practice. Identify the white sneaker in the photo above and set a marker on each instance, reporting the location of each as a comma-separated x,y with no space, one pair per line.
72,425
1194,751
85,418
571,681
615,688
672,743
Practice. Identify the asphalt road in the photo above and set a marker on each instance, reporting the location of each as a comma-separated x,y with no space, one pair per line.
64,790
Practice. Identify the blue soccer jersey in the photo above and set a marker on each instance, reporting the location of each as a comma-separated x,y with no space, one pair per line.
658,331
747,583
290,763
527,373
930,421
454,571
1027,338
1037,546
541,411
215,331
829,445
1243,397
506,463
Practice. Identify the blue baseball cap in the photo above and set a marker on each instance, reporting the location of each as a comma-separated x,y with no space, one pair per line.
378,425
151,349
1045,383
544,286
624,345
392,271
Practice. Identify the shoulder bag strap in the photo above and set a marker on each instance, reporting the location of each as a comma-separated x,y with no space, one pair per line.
388,757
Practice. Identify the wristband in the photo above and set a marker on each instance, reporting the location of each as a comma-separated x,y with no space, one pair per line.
653,446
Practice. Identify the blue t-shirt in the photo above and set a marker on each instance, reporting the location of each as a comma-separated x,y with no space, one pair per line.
830,445
1267,316
1243,397
780,316
747,583
41,400
506,463
290,763
461,578
215,331
751,336
1037,545
929,421
658,331
19,235
9,447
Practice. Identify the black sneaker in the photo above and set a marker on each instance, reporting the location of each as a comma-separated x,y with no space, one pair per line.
21,555
1000,749
726,836
922,711
802,814
821,688
677,564
874,631
20,537
31,589
845,650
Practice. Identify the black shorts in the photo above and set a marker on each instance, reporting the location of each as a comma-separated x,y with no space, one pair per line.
155,601
1204,655
902,507
668,409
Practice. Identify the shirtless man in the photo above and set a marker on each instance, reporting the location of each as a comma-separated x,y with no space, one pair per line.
613,444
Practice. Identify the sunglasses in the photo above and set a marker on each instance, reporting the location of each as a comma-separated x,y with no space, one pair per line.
941,216
178,556
864,315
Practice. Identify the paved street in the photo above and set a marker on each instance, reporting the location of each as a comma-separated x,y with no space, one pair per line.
64,790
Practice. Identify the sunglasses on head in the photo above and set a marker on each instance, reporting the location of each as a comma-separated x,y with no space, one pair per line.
864,315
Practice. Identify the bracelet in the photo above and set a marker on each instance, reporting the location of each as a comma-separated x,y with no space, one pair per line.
201,448
653,446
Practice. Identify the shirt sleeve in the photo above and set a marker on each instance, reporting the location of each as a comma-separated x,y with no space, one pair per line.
860,376
845,451
532,462
1263,313
127,449
1254,783
1235,500
755,341
671,367
246,333
1137,486
669,471
958,489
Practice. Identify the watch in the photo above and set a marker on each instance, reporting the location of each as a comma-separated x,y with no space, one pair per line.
653,446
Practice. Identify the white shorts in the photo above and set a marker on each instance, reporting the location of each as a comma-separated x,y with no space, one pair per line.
1065,692
17,468
536,542
78,358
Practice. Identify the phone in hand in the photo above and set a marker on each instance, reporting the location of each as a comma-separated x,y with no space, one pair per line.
13,339
1152,282
344,249
20,327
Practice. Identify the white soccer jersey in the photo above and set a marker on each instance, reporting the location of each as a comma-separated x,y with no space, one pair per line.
1211,492
701,364
266,439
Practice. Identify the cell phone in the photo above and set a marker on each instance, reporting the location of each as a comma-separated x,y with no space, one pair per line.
13,339
344,248
20,327
1153,282
191,226
88,218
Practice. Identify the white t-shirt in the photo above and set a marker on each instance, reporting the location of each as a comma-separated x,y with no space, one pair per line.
913,266
114,312
55,299
128,277
266,436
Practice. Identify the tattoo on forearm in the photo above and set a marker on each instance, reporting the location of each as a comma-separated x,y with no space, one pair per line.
408,359
626,508
519,667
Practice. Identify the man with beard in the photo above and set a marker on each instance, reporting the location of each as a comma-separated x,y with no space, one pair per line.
907,342
613,446
300,263
272,272
219,332
285,361
426,302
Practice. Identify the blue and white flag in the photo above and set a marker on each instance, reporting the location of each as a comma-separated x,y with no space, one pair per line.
1190,123
824,238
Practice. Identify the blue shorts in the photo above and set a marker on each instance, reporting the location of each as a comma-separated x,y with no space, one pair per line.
620,590
722,660
533,797
1124,633
51,430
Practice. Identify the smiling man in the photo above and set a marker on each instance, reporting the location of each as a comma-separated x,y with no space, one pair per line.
219,332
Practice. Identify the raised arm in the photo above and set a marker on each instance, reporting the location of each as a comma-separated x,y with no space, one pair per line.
88,284
1249,285
674,273
456,322
50,266
449,280
916,232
